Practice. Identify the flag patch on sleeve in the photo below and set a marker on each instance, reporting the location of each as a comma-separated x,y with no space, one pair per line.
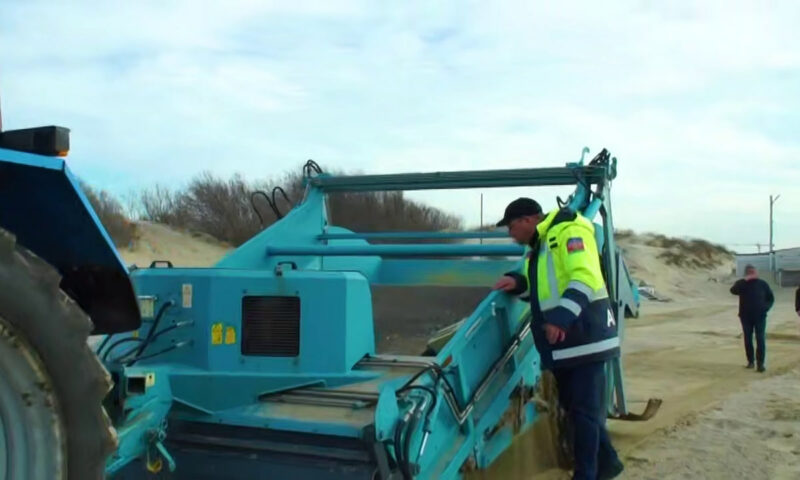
575,244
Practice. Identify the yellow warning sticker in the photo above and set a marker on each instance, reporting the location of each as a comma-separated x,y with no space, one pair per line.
230,335
135,334
150,380
216,334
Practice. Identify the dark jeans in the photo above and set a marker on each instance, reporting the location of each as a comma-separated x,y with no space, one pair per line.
582,392
759,326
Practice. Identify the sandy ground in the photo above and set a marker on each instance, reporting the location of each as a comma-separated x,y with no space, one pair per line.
754,433
694,361
718,420
183,249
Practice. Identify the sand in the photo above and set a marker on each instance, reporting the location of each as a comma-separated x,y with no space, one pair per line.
183,249
753,434
718,419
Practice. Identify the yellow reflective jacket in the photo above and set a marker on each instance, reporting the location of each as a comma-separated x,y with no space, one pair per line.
570,291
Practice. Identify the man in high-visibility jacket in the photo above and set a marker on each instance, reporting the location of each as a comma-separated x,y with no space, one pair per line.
573,327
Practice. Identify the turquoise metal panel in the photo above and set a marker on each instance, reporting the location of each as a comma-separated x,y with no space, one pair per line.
336,331
301,226
335,321
442,272
395,250
32,160
145,413
358,328
339,422
411,235
460,180
483,385
42,204
368,265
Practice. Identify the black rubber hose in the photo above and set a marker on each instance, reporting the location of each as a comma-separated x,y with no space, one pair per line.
310,166
429,390
270,202
440,376
119,358
253,204
160,352
274,203
433,394
412,426
283,192
165,330
402,443
103,343
398,445
155,337
119,342
152,331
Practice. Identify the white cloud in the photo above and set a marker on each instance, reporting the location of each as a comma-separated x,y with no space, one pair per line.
696,99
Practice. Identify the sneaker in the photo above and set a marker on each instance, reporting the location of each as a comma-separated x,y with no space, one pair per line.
611,471
750,365
761,368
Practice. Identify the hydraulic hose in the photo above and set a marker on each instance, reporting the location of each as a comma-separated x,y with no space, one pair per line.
116,344
152,331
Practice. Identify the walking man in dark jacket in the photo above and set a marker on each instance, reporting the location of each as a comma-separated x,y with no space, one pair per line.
797,301
755,300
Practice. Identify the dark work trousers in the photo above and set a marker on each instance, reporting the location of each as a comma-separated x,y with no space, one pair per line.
581,391
757,325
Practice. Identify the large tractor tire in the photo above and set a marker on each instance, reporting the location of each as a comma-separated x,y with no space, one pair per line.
52,423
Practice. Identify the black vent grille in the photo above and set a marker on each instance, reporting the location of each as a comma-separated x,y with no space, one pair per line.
271,326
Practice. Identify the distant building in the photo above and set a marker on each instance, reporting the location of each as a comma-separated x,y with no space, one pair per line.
787,265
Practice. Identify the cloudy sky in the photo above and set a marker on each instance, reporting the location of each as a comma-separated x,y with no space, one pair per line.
700,101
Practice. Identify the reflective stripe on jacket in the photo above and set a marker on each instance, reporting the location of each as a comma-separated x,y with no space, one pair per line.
570,292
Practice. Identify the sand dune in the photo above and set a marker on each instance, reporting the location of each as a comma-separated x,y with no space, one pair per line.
718,419
183,249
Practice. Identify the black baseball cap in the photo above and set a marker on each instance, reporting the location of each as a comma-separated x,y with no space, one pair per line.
520,207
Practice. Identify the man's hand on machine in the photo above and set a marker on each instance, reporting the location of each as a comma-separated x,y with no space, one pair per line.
506,283
554,334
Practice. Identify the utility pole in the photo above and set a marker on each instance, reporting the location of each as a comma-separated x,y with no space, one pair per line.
772,201
481,239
